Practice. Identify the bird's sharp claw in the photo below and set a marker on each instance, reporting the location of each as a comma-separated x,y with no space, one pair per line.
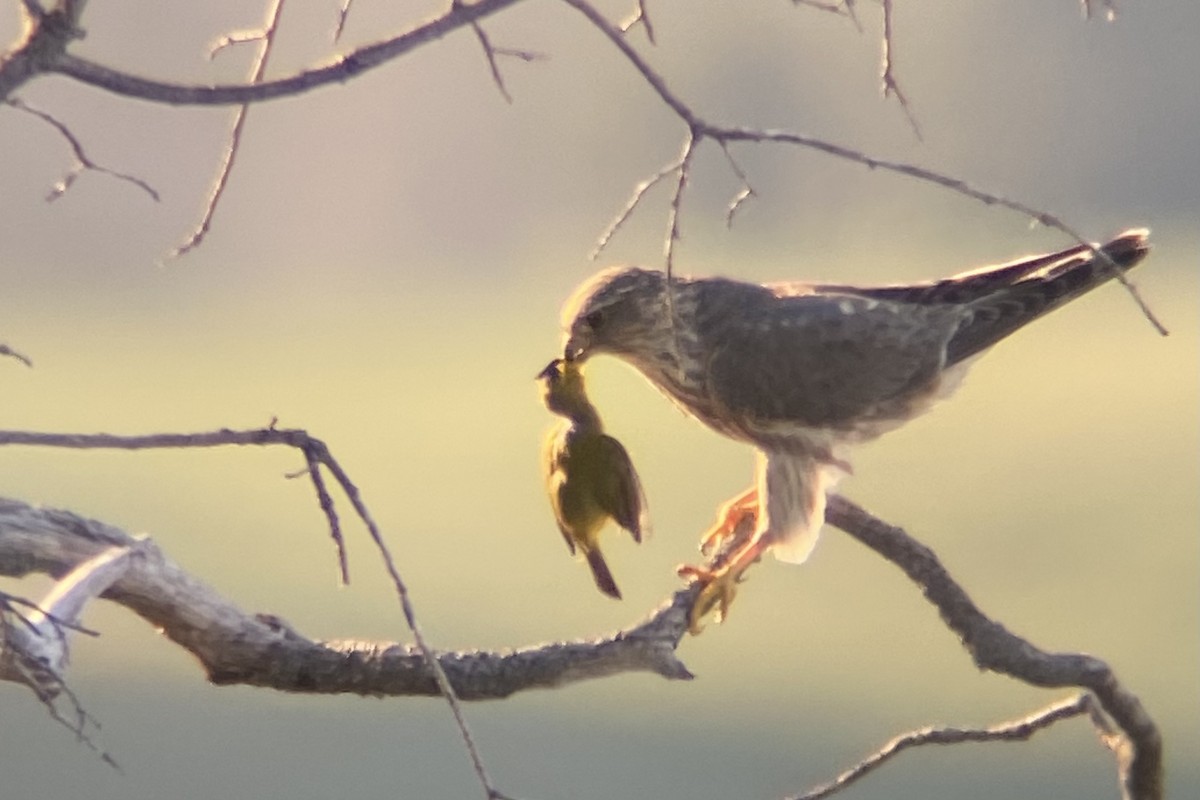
719,587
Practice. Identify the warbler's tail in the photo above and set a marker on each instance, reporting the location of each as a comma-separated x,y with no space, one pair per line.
604,578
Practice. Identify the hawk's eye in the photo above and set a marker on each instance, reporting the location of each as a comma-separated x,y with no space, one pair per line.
594,319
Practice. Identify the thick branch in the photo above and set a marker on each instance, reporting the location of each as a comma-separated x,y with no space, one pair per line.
261,650
345,67
1139,750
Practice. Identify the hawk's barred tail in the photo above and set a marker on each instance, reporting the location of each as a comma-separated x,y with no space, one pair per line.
1077,272
604,578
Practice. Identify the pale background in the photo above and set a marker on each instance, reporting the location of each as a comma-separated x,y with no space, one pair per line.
386,271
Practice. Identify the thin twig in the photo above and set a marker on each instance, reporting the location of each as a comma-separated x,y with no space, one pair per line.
5,350
673,210
343,16
48,686
490,53
316,455
523,55
887,74
744,194
1138,746
82,161
1015,730
346,67
267,36
231,39
844,8
698,127
639,192
410,617
326,502
639,16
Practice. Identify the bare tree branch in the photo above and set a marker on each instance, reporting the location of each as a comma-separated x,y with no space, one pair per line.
343,16
342,69
5,350
744,194
698,128
673,210
267,36
639,16
1016,730
235,647
490,53
638,193
888,74
316,455
1138,747
844,8
82,162
261,650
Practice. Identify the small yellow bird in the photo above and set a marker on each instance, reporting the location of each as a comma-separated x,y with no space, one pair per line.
589,476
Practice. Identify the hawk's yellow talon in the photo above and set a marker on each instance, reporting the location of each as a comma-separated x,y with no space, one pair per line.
719,586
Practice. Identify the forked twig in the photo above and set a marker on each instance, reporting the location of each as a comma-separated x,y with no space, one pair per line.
1137,745
888,75
744,194
1014,730
82,162
639,17
317,456
267,36
639,192
490,53
699,128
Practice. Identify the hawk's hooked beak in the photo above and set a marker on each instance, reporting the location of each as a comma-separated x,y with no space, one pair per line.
576,346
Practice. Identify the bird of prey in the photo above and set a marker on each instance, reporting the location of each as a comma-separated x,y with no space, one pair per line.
801,371
589,476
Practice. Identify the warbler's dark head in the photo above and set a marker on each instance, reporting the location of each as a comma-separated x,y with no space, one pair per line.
563,390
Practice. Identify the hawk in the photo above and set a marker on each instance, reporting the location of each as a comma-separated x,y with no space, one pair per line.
803,371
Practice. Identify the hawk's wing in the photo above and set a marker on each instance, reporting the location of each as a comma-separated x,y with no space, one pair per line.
1006,297
823,359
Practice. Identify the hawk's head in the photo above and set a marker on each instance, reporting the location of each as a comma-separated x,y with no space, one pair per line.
622,310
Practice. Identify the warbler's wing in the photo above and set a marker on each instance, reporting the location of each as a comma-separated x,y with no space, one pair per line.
555,477
622,497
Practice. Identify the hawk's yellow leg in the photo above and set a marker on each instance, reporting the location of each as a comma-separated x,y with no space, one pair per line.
731,515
